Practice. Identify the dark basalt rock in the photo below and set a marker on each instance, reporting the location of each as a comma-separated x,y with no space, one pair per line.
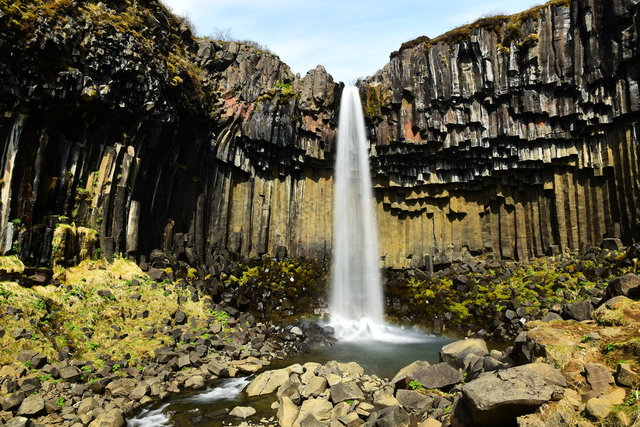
514,146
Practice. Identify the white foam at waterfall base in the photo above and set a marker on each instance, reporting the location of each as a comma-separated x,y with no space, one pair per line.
357,307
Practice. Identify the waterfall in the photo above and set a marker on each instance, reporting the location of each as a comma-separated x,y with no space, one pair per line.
356,291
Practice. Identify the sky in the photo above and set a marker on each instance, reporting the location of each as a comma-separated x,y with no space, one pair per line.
350,38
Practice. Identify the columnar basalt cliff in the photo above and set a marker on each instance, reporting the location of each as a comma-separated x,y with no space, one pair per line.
514,136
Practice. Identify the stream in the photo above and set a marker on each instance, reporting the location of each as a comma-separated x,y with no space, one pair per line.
210,408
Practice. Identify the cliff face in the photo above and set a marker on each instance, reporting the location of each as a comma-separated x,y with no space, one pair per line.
514,137
520,139
116,120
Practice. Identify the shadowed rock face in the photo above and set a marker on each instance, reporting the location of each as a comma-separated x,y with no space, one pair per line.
115,118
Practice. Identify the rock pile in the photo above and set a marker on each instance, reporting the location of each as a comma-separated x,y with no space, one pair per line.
471,386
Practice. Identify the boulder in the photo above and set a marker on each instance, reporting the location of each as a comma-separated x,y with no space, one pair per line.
598,408
454,353
112,418
627,285
599,378
441,376
314,410
502,396
70,374
578,310
32,406
346,391
267,382
400,379
120,388
413,400
195,382
384,397
287,412
314,387
626,376
392,416
242,411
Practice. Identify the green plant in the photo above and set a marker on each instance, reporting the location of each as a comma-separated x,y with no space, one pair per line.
633,398
609,348
93,345
60,402
5,293
45,377
87,368
415,385
115,368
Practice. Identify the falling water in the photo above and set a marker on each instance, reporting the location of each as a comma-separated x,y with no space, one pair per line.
356,299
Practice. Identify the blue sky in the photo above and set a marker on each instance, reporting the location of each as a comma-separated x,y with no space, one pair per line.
350,38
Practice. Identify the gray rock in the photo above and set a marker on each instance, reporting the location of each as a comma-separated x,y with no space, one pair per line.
18,422
441,376
578,310
392,416
599,377
12,400
413,400
120,388
400,379
627,285
502,396
454,353
32,406
70,374
626,376
346,391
